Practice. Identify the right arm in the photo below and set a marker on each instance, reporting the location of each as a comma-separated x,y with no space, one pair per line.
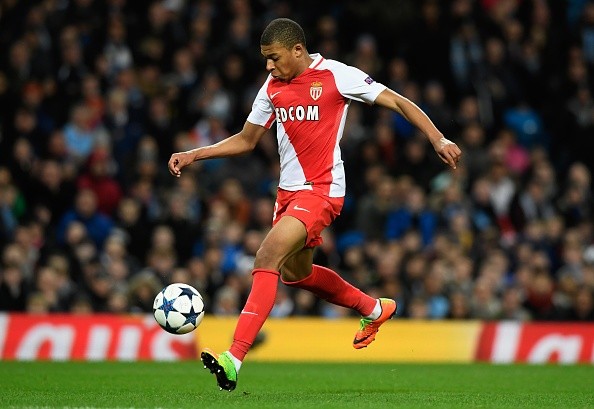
355,84
447,150
242,142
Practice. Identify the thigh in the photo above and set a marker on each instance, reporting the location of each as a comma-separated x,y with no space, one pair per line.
286,238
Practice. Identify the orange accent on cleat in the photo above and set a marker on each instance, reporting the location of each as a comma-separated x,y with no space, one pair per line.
369,328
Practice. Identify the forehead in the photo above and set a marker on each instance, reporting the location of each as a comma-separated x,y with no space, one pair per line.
274,48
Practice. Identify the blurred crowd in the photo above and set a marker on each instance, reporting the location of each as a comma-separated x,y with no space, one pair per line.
96,95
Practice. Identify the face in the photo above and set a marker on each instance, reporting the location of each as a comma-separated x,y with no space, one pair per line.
283,63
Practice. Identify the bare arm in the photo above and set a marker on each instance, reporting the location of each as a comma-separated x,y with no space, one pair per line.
446,149
242,142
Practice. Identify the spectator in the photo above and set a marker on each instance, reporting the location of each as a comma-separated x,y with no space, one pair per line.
466,54
511,306
459,308
139,81
435,105
284,305
80,138
142,290
124,130
434,290
53,191
97,177
583,307
37,304
72,68
418,309
530,205
98,226
116,51
374,209
414,214
118,303
226,301
13,289
135,225
483,214
539,297
484,303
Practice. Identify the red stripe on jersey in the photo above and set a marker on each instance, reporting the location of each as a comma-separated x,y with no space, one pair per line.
270,121
318,63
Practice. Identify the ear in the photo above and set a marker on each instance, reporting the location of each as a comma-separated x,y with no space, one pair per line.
298,50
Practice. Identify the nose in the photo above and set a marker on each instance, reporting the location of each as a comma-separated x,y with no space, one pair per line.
269,65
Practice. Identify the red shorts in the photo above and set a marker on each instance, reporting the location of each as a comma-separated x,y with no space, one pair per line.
315,211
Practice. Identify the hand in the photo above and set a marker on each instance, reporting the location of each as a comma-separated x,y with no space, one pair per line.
448,151
178,161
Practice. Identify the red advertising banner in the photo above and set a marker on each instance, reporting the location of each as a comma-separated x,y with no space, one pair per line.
90,338
138,337
510,342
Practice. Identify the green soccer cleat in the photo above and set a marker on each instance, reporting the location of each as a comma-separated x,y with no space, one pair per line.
222,367
369,328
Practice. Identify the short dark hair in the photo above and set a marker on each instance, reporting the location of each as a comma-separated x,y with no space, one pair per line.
284,31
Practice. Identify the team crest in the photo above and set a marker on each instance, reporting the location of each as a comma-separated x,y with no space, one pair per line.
315,91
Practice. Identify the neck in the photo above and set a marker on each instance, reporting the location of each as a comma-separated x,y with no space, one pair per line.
305,63
308,60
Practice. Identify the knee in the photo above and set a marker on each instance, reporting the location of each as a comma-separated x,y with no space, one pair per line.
268,258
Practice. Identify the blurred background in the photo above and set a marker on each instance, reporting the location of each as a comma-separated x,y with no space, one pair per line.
96,95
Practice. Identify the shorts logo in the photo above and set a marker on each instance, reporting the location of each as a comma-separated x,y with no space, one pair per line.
296,207
315,91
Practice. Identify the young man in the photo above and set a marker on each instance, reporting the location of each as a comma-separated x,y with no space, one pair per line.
308,97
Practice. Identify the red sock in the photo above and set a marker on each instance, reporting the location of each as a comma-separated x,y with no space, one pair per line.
256,310
329,286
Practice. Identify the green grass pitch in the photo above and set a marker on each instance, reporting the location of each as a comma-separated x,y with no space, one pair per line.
292,385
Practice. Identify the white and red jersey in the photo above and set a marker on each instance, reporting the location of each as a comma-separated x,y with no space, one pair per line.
310,112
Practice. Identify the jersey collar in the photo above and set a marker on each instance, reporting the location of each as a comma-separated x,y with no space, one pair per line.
317,58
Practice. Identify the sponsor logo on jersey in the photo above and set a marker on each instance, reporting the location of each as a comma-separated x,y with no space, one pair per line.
315,91
369,80
298,113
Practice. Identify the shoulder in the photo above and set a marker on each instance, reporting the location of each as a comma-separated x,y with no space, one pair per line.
332,65
341,71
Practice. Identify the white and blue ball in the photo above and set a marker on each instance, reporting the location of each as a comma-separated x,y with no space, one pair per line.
178,308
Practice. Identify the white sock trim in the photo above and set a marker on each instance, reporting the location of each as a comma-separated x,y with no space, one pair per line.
377,311
236,361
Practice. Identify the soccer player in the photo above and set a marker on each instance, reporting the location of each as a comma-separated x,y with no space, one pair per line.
308,97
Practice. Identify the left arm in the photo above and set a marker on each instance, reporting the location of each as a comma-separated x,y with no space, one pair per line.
446,149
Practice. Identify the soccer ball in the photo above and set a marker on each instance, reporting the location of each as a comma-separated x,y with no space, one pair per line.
178,308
